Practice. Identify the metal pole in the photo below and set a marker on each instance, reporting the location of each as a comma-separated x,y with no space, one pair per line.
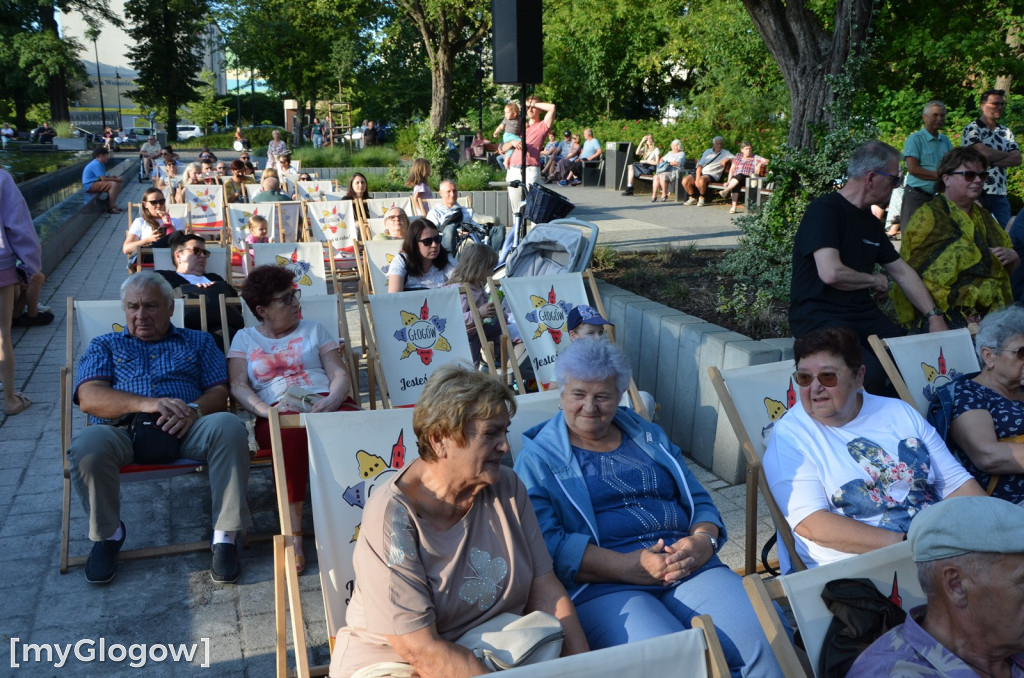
238,95
99,83
117,81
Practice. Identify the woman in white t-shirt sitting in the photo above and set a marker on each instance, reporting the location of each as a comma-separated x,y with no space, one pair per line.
152,227
850,470
285,352
423,262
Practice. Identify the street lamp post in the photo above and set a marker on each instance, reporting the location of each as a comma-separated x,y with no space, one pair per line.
94,34
117,81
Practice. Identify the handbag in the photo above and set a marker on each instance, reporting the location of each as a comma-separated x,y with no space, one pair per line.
663,166
299,399
150,443
510,640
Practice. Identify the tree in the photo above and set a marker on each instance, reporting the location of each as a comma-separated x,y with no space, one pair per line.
166,54
808,50
447,28
207,108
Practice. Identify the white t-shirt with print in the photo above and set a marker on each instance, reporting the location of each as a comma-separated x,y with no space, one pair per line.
880,469
432,279
293,360
141,229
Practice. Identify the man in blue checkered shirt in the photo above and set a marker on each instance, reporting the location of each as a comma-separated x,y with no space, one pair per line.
181,376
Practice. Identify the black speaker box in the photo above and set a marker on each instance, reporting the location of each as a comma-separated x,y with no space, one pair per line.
518,42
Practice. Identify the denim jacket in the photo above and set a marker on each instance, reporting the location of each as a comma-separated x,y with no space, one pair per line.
561,500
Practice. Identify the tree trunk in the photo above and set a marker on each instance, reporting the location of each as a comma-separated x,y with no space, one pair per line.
172,119
1005,82
442,67
806,54
58,87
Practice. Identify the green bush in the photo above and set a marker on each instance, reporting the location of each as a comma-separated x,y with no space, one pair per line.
338,156
405,140
474,176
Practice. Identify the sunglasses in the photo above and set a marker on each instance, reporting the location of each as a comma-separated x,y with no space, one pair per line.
896,179
430,242
287,299
826,379
971,175
1018,351
161,201
198,251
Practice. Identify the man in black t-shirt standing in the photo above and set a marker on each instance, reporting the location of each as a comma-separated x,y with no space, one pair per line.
835,251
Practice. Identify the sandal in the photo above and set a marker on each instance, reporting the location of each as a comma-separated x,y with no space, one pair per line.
23,404
300,556
115,210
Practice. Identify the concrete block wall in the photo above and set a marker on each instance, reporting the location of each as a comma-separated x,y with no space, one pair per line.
670,352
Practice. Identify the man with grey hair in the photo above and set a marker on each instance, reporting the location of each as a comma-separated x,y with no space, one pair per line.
449,216
835,251
710,169
921,153
172,382
970,562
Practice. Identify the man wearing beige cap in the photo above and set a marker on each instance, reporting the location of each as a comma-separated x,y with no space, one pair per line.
970,562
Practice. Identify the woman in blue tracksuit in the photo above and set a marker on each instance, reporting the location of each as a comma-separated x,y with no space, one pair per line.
632,533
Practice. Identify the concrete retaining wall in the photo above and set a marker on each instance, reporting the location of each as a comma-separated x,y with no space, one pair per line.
670,352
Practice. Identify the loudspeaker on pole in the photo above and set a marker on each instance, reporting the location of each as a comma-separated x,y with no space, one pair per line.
517,32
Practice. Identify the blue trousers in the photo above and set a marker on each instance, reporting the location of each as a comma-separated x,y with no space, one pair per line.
628,616
999,206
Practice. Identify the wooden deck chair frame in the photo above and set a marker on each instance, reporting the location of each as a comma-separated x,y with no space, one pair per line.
374,370
892,370
891,569
146,472
755,481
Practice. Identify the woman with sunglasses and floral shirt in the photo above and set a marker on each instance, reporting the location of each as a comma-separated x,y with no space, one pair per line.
423,262
850,470
152,227
961,252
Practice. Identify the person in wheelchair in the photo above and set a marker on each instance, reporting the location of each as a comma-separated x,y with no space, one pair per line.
457,224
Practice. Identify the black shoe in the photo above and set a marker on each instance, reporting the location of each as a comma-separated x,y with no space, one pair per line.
225,568
25,320
102,564
628,191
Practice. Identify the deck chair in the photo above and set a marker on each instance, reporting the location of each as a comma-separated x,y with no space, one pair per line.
891,569
178,211
377,256
371,229
305,260
335,222
290,223
921,363
218,261
411,334
93,318
329,312
206,210
754,398
237,218
694,653
314,191
531,409
376,208
431,203
540,306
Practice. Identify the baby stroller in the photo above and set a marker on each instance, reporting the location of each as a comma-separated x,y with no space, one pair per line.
561,246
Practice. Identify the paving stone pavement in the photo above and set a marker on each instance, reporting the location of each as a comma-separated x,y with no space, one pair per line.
171,600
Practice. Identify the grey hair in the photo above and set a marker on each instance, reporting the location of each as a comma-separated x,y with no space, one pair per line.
997,328
146,279
973,565
272,183
676,142
451,182
933,102
593,359
871,157
718,139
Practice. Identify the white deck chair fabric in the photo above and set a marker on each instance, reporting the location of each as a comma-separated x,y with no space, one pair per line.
927,361
323,309
379,254
334,222
891,569
238,220
376,226
305,260
314,190
350,454
540,306
205,203
531,409
289,219
178,211
376,208
417,332
103,317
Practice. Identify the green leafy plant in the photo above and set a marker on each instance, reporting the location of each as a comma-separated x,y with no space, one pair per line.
604,258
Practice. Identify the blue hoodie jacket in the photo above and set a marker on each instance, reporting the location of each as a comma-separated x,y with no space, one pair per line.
561,500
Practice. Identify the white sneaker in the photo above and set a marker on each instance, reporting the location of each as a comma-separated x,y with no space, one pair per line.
691,201
42,308
732,210
700,203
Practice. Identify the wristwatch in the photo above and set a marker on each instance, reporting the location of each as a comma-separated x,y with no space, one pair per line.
714,540
195,408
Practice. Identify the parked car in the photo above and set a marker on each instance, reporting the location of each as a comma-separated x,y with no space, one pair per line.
138,135
189,132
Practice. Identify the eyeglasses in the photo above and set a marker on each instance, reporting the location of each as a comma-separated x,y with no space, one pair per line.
971,175
430,242
826,379
896,179
1018,351
198,251
287,299
161,201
